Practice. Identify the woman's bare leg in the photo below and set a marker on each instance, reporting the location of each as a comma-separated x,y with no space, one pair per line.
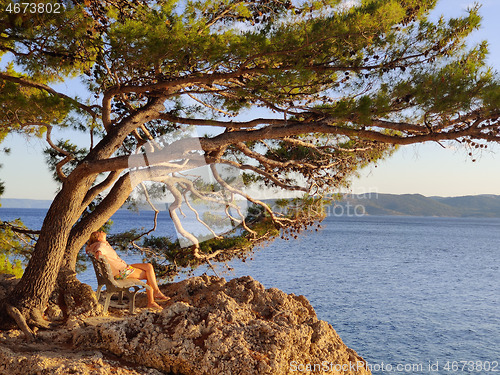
145,271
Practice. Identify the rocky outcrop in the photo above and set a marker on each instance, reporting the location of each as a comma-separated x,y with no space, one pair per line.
211,326
24,359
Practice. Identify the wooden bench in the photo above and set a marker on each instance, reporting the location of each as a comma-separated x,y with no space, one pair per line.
105,278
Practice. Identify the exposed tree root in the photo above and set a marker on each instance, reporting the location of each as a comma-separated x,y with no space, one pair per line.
15,314
37,320
71,296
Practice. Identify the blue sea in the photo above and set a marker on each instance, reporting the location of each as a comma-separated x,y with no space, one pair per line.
412,295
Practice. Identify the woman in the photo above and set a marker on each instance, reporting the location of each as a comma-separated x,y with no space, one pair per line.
97,245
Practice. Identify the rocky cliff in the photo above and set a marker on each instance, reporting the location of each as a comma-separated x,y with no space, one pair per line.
211,326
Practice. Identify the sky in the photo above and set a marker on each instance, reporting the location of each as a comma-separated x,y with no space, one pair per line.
427,169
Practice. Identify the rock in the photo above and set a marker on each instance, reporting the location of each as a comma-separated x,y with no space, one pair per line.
23,361
211,326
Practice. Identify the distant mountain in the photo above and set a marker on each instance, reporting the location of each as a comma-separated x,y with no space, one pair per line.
24,203
370,204
419,205
474,205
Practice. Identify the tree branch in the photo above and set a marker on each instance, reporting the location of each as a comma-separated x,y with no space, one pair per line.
232,189
266,175
4,224
48,89
198,218
327,126
155,219
66,160
92,193
224,124
181,149
177,222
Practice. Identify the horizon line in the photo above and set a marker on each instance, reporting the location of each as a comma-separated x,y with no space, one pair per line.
342,193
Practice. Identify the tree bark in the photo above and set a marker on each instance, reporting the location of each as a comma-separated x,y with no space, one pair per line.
34,289
31,294
81,231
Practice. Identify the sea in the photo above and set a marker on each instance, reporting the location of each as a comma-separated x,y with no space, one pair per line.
412,295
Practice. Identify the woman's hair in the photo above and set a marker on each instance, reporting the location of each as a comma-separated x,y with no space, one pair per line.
93,238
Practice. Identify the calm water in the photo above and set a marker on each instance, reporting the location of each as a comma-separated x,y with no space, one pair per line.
404,292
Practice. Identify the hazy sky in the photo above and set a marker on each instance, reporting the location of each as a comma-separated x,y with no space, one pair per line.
429,169
426,169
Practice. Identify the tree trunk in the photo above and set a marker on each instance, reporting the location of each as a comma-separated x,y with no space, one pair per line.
31,294
73,297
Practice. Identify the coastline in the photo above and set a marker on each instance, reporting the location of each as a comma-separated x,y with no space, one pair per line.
209,326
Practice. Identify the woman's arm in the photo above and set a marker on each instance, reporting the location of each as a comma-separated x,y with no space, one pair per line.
95,250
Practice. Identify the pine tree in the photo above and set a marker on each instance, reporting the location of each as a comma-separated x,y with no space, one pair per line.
338,88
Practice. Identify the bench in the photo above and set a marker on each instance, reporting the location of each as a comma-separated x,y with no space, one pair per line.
105,278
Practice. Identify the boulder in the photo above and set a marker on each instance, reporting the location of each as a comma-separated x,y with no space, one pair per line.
211,326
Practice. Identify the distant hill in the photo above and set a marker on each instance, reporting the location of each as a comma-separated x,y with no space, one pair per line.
371,204
24,203
419,205
474,205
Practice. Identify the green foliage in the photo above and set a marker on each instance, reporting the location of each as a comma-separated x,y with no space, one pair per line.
46,48
12,245
7,267
298,49
15,246
49,46
26,108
